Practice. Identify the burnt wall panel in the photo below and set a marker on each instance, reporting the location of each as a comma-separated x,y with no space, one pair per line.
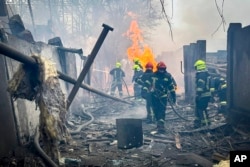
192,52
3,8
188,74
8,139
238,72
26,113
200,50
241,69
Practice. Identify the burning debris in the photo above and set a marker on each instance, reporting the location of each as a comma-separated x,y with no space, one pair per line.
42,85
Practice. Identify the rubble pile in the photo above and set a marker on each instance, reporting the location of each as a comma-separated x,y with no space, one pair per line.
94,136
181,145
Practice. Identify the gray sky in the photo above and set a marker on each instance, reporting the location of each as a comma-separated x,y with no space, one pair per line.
197,20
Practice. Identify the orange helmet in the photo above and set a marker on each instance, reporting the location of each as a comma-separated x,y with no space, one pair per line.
149,65
161,65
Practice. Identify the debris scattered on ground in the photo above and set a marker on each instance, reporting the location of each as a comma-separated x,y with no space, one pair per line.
95,141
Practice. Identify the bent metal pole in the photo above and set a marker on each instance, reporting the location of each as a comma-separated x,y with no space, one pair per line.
88,63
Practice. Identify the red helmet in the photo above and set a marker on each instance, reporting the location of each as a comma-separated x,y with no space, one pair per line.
161,65
149,65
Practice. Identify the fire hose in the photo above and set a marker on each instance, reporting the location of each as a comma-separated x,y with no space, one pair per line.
78,130
173,108
126,86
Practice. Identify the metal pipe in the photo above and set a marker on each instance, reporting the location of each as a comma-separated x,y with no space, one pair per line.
87,87
88,64
71,50
18,56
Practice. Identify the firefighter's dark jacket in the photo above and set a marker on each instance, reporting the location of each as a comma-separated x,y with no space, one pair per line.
203,83
144,81
136,75
117,74
218,83
162,84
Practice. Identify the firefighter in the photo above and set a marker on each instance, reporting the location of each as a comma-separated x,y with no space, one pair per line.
137,62
161,87
144,81
219,88
118,75
203,94
137,88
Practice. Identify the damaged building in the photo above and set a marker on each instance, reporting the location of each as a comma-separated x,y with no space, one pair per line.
53,113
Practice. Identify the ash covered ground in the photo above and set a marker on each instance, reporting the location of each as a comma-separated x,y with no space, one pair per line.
94,139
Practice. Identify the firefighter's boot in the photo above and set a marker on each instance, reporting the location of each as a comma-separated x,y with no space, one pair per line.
160,126
149,119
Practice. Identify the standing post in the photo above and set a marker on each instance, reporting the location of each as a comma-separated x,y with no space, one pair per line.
88,63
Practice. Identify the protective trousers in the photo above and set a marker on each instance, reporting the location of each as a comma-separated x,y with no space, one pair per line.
149,107
159,109
137,91
118,85
201,112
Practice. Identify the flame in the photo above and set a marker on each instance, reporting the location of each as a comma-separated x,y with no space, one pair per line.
139,50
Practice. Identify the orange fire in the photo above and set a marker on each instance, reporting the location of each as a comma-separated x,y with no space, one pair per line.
138,49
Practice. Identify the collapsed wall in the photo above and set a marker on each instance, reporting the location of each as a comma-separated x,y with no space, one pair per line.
191,53
25,113
238,73
41,84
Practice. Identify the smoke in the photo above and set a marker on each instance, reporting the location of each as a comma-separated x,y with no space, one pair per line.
192,20
199,20
137,112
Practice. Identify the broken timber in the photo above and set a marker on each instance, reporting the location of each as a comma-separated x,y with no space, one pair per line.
204,128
